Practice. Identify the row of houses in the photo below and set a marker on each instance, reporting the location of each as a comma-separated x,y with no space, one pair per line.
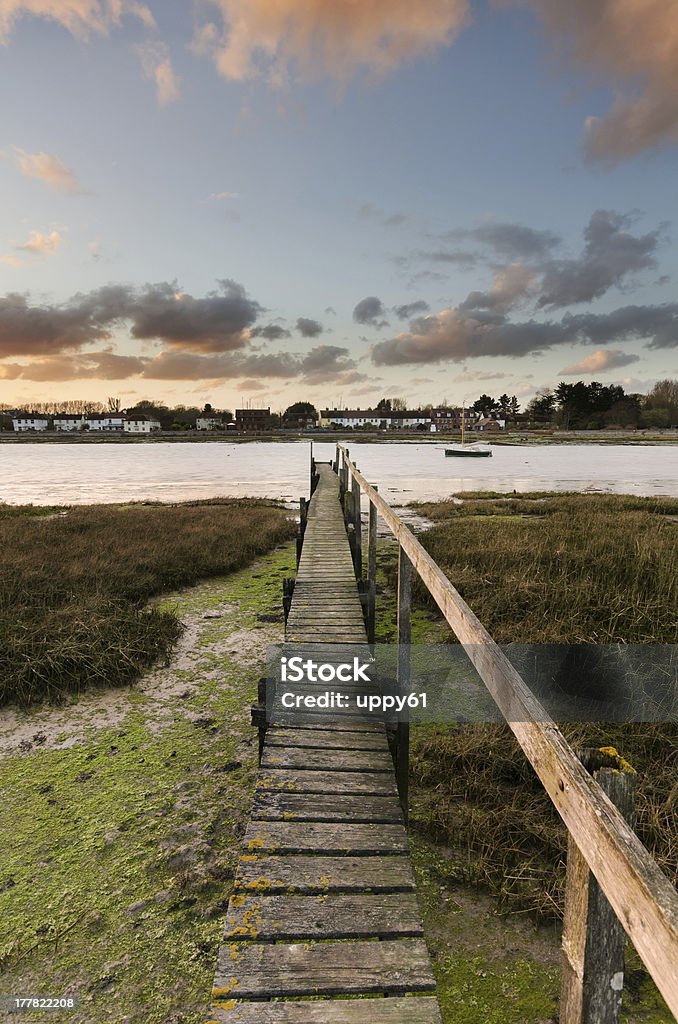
260,420
135,424
430,420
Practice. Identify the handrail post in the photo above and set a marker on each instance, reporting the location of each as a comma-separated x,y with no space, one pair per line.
404,637
593,938
358,528
371,570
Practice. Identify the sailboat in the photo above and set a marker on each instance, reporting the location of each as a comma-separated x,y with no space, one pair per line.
469,451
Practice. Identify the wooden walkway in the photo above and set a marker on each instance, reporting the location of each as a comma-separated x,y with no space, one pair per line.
324,903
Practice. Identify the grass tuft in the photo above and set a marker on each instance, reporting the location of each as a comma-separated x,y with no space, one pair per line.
74,587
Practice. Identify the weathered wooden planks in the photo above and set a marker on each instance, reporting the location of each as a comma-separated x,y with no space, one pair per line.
324,837
338,760
344,783
331,916
324,738
412,1010
258,971
324,807
322,874
324,903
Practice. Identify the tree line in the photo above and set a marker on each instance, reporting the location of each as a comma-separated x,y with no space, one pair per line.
595,406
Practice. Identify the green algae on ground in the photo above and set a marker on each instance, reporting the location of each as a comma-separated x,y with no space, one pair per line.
119,852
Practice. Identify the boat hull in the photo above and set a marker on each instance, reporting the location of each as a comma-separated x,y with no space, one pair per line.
459,453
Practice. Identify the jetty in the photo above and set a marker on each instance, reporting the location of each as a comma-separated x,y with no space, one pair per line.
323,923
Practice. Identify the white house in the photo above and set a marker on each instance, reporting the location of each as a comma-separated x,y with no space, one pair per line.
113,422
140,425
30,421
383,419
64,421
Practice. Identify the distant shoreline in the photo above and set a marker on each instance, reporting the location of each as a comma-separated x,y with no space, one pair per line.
512,438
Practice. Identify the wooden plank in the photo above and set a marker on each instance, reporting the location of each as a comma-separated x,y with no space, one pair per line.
407,1010
347,783
324,807
351,720
324,837
325,738
337,760
640,894
341,722
296,874
335,916
252,971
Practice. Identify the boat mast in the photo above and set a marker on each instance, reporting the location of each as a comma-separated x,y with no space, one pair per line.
462,425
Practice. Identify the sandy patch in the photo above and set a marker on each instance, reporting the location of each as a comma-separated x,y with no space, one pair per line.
214,631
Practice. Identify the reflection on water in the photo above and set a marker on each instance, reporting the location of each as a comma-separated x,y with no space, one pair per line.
75,473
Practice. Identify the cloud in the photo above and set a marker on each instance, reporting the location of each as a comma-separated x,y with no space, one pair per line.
332,37
368,211
410,309
470,375
92,365
49,169
600,361
508,240
42,330
370,311
157,67
512,285
658,323
80,17
325,362
217,322
309,328
611,254
451,336
271,332
219,196
41,244
462,258
629,40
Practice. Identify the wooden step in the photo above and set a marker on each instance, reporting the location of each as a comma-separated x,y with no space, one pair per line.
298,874
266,971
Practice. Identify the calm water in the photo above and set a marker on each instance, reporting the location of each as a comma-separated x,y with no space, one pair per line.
84,473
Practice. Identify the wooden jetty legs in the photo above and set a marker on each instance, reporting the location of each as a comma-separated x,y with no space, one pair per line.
324,902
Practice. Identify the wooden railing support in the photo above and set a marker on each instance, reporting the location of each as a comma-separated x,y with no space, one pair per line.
371,571
357,526
593,939
404,639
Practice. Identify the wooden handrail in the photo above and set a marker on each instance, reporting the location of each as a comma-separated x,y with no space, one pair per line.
640,894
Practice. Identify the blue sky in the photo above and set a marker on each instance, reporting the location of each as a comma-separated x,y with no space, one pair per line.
234,200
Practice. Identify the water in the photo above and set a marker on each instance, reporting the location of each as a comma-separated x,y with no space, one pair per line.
70,474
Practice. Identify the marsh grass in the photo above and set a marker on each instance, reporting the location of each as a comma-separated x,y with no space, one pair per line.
574,568
541,569
74,587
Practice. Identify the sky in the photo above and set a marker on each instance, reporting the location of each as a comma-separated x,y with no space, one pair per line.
266,201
